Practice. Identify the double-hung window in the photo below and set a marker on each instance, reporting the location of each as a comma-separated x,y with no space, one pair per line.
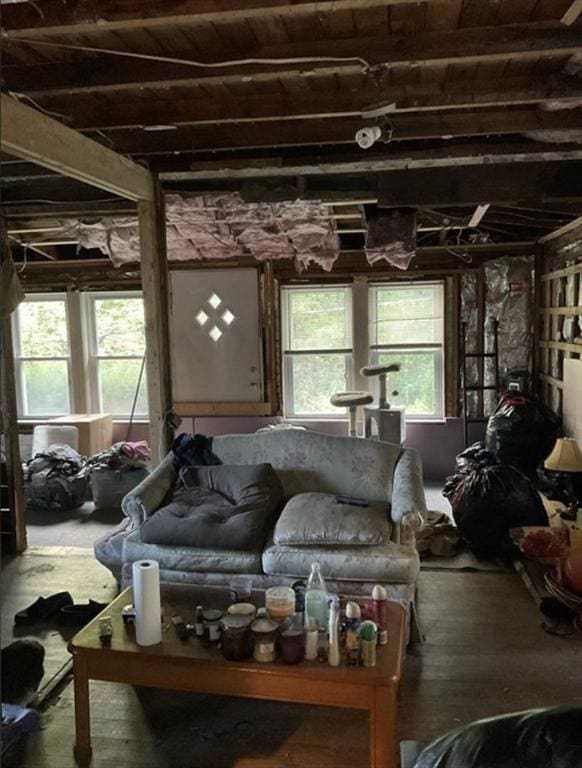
317,348
42,356
406,327
397,323
116,353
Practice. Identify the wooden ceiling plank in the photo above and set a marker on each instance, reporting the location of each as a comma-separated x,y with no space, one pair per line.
34,137
516,42
572,13
85,116
571,225
80,16
430,125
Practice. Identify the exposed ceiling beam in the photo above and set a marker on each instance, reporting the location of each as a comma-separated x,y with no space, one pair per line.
85,16
293,133
34,137
572,13
87,114
368,163
113,74
571,225
478,214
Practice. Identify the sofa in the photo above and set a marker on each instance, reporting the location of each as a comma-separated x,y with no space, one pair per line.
357,547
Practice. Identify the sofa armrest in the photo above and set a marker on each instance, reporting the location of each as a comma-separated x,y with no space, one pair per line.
408,487
146,497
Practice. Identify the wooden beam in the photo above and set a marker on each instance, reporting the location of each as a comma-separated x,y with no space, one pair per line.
79,17
571,225
154,278
118,74
32,136
572,13
478,214
86,114
375,163
222,409
294,133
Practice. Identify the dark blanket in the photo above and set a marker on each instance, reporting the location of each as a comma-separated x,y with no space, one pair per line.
193,450
219,507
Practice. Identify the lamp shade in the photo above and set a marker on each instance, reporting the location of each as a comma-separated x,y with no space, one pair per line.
565,456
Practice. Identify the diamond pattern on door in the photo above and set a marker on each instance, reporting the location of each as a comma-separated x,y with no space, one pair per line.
226,316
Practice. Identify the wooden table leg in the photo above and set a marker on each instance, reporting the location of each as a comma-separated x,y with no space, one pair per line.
383,747
82,713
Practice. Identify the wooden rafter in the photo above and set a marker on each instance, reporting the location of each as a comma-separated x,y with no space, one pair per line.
572,13
114,74
86,114
30,135
569,227
83,16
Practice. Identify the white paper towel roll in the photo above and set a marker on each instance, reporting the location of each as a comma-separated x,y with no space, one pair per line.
146,599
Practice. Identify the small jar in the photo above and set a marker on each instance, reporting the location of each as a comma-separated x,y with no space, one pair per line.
280,603
247,610
236,637
292,645
211,618
264,638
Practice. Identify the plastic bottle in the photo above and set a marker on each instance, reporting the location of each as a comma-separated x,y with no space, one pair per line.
353,621
380,601
316,598
199,622
311,638
333,654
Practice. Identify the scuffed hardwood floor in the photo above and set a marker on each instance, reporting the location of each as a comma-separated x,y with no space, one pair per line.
484,654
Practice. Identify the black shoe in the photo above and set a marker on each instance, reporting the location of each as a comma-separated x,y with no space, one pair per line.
80,614
43,609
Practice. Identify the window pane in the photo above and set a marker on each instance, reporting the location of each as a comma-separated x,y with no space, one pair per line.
318,319
46,387
315,379
415,382
43,329
409,314
118,380
119,325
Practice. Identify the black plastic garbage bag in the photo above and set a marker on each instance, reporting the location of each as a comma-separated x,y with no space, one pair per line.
488,501
474,455
536,738
521,432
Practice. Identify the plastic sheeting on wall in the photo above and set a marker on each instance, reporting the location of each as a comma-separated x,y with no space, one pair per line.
508,299
223,226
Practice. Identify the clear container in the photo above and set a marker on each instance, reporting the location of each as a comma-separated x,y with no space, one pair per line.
316,598
280,603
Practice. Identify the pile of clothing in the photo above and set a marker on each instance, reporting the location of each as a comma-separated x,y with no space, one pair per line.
122,456
55,479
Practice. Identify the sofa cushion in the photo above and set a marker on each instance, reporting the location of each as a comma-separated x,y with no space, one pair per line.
184,558
317,519
386,563
218,507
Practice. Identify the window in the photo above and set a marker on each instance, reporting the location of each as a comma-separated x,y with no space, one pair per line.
317,347
405,324
116,353
406,327
42,356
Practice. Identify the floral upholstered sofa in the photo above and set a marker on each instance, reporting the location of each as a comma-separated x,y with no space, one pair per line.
356,546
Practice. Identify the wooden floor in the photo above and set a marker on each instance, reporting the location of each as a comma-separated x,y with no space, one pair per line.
485,653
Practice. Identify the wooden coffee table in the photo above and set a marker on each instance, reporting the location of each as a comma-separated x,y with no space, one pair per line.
192,666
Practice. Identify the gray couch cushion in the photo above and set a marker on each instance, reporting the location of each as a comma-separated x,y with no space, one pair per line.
218,507
316,519
184,558
386,563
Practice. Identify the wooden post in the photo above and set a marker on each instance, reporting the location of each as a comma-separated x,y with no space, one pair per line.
537,321
9,426
154,277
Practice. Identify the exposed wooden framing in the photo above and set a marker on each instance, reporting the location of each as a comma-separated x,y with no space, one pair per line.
79,361
556,274
478,215
569,227
572,13
114,74
78,17
32,136
452,330
9,424
537,319
292,133
565,311
480,337
154,279
563,346
268,311
373,164
223,409
551,380
86,114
